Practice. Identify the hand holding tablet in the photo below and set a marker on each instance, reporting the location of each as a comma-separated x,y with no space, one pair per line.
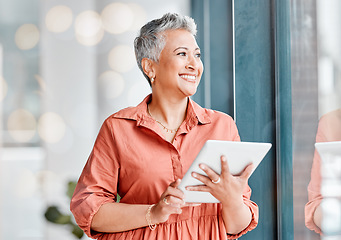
238,154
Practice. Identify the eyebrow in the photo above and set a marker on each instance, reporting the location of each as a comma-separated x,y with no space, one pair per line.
184,48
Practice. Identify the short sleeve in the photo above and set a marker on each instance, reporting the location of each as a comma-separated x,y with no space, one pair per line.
97,184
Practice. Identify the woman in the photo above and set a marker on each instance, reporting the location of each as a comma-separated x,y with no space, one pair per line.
329,130
142,152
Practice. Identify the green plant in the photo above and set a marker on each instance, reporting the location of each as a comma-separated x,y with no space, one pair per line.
53,215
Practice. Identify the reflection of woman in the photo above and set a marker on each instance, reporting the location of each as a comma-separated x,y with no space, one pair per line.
329,130
142,152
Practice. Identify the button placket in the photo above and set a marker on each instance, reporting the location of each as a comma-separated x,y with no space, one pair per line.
176,164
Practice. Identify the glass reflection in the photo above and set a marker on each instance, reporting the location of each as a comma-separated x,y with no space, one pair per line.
325,176
316,91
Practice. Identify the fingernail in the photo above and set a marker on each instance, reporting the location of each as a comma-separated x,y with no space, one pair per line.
194,174
223,158
202,166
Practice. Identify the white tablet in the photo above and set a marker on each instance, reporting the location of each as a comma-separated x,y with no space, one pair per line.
238,155
330,153
328,149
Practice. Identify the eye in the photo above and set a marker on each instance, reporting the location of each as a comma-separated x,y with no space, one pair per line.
181,54
198,55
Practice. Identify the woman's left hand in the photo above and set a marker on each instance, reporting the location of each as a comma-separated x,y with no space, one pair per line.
228,189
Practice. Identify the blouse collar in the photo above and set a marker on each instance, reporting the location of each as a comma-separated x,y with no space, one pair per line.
195,113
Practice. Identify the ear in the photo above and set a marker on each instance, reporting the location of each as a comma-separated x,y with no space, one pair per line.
148,67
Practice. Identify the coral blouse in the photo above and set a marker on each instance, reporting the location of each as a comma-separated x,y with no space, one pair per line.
131,158
329,130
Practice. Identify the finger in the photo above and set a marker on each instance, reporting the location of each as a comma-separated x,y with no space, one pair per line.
176,183
175,192
172,190
204,179
164,210
212,175
247,171
192,204
199,188
225,169
173,201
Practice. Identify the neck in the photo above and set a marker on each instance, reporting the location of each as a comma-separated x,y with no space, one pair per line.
170,112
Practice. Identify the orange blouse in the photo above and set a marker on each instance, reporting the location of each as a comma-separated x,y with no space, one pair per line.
329,130
131,158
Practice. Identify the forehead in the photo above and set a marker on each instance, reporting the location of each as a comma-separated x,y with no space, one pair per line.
179,38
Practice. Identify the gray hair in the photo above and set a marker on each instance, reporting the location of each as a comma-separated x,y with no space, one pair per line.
151,39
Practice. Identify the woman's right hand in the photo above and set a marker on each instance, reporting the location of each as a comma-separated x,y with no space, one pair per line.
171,202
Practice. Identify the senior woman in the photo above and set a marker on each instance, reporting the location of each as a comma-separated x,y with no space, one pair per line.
141,153
329,130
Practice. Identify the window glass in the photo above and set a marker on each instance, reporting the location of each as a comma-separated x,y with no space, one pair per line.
316,104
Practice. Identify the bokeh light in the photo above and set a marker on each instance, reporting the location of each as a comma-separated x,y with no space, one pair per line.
140,16
138,92
50,183
76,118
21,125
26,185
111,84
117,18
65,143
59,19
27,36
3,88
122,58
88,28
51,127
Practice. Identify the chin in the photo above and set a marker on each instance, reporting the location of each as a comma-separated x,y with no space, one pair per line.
190,93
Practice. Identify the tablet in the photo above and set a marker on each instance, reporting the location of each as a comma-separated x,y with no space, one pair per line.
328,149
238,155
330,153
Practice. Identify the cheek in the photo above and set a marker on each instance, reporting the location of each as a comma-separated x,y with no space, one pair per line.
201,69
170,67
199,66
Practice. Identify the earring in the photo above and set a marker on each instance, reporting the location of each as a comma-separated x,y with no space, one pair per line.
152,80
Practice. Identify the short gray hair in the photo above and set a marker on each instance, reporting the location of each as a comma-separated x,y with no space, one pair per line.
151,41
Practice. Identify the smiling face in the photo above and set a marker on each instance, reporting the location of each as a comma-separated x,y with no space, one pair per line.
179,69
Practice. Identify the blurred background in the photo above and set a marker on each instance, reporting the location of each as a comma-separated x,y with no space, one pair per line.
67,65
64,67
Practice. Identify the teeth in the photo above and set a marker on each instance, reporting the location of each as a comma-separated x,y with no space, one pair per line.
188,77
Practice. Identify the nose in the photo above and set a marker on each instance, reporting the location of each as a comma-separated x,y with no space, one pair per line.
193,63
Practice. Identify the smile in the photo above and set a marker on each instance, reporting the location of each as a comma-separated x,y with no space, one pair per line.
190,78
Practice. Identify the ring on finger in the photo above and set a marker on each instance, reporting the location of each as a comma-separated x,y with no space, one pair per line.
216,181
165,201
